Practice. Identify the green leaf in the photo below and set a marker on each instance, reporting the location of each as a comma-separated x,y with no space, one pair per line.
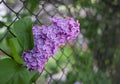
23,31
32,4
12,73
15,50
34,76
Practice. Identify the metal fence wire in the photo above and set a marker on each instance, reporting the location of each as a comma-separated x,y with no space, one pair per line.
61,67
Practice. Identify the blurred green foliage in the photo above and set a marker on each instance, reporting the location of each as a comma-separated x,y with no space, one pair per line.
101,27
80,67
31,5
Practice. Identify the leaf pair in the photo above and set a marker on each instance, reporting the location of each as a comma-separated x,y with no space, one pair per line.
11,70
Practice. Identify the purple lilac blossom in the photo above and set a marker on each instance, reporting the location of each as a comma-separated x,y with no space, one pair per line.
66,29
47,40
78,82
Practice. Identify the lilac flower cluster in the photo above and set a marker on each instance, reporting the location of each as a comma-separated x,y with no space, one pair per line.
47,40
78,82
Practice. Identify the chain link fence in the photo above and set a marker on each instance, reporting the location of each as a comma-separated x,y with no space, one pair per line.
75,63
62,67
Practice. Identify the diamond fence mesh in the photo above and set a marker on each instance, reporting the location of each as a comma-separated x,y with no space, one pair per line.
60,68
75,63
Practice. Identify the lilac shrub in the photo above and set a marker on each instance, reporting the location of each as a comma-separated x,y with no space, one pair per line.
47,40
